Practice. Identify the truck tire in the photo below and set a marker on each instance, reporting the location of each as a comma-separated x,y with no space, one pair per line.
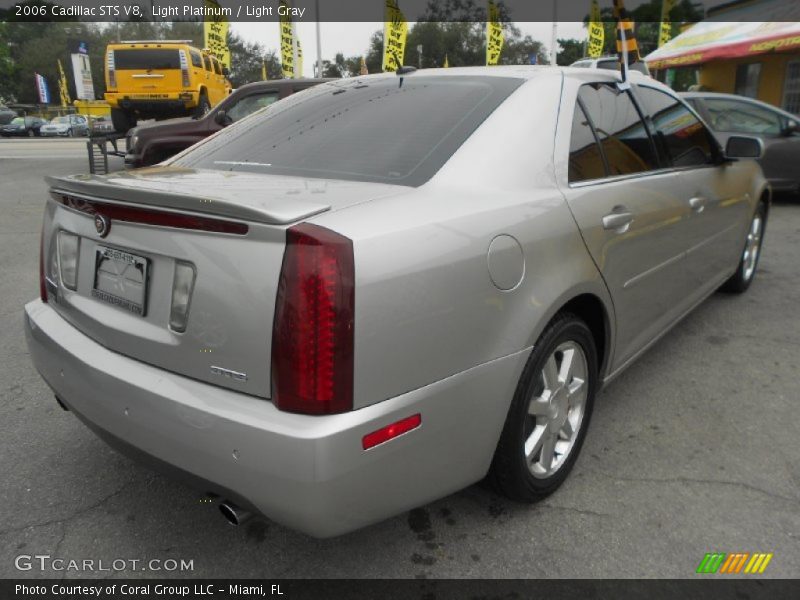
122,120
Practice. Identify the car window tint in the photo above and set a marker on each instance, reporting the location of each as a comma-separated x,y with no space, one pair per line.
741,117
207,61
681,135
397,130
217,68
626,143
585,158
197,60
250,104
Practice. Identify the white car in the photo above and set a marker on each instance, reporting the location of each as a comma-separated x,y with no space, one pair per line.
66,126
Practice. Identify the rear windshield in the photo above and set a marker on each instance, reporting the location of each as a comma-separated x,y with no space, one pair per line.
398,130
150,58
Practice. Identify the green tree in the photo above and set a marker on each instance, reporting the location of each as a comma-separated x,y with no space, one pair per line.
569,51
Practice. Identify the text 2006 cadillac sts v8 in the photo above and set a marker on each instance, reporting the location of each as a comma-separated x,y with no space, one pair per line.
389,287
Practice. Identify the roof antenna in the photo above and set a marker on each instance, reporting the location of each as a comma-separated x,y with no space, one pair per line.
626,42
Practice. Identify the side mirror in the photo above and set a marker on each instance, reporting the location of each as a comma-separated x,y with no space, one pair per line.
791,127
226,71
222,118
742,146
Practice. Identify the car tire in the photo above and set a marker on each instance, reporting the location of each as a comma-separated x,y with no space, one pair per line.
122,120
748,263
550,413
203,106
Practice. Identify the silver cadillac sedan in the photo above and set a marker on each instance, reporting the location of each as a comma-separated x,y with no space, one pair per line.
384,289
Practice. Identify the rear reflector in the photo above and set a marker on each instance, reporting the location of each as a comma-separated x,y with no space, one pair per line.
68,248
182,285
148,216
312,335
391,431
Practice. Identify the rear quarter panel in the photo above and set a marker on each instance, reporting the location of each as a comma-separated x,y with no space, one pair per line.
426,307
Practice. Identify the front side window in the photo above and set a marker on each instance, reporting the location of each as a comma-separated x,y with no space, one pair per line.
207,60
217,68
250,104
626,144
681,136
742,117
585,158
397,130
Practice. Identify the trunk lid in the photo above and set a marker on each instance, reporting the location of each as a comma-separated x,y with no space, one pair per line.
233,239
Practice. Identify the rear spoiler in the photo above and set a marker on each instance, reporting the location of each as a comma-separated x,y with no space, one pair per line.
129,188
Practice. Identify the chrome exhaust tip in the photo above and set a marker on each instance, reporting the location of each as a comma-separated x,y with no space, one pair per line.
233,514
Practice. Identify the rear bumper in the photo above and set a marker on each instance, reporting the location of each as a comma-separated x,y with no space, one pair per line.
308,473
155,104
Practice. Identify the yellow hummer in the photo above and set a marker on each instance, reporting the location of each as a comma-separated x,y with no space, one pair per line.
159,79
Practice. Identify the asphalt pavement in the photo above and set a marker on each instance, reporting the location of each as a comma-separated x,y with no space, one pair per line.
695,449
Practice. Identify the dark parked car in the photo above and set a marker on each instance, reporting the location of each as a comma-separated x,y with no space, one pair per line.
6,115
152,143
728,115
101,126
23,126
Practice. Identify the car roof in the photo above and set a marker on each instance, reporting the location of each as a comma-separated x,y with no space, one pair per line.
520,72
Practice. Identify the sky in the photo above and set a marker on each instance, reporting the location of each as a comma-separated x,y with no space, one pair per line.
353,38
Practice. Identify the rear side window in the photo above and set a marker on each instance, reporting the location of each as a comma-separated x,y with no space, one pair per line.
398,130
585,158
626,144
207,60
146,58
681,135
742,117
217,68
197,60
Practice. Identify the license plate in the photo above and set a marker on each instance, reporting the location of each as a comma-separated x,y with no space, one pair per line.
120,278
149,96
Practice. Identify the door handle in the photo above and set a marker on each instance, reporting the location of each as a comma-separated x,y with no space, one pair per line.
618,221
698,203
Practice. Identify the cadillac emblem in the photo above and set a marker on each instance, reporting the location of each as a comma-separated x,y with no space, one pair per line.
102,225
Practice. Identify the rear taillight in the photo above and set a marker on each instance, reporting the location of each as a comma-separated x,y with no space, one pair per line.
312,334
112,74
42,282
184,68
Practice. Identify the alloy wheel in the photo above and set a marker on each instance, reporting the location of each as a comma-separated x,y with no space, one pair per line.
752,246
556,411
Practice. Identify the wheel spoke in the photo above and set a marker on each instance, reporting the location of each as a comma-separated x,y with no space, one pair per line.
548,451
539,407
550,374
575,386
534,442
568,360
567,431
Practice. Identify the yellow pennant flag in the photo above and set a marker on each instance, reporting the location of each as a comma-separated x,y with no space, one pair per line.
665,32
263,70
395,30
363,67
62,85
288,46
494,34
597,35
215,33
299,56
446,62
